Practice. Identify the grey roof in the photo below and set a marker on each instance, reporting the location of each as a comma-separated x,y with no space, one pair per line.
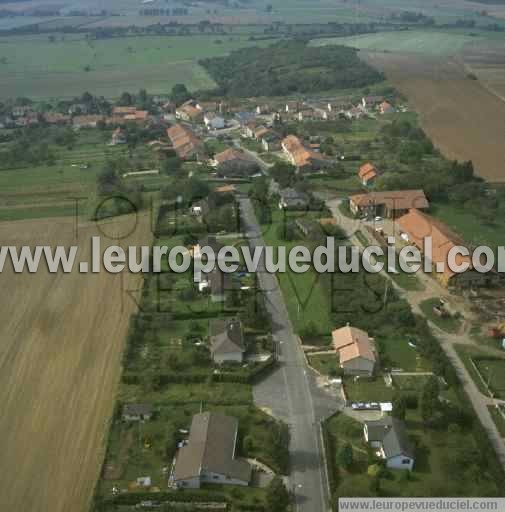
137,409
292,197
211,448
391,432
226,335
219,282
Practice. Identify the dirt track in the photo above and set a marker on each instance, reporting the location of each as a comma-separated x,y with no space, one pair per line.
61,337
464,119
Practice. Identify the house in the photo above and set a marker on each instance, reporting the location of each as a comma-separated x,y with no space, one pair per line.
123,111
137,412
263,109
390,203
226,341
231,155
207,106
189,113
118,137
21,111
370,102
185,143
354,113
249,128
88,121
56,118
386,108
213,121
235,163
301,156
388,436
210,456
306,114
245,117
291,199
368,173
292,107
356,351
415,226
271,141
219,283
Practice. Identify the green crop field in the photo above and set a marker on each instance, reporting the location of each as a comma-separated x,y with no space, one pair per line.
33,66
427,42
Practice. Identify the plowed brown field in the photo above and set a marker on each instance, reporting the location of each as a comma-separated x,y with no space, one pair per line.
464,119
61,339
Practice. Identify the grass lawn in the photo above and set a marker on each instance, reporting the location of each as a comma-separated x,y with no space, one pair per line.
326,364
498,418
448,324
467,224
493,373
410,382
305,297
397,353
366,390
484,369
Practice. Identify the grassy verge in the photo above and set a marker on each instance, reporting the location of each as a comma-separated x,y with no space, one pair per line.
498,418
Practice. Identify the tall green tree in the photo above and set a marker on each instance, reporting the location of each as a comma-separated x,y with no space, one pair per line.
277,497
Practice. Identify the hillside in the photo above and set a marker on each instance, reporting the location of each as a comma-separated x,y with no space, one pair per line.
287,68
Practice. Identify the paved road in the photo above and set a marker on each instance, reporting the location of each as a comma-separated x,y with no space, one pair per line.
289,393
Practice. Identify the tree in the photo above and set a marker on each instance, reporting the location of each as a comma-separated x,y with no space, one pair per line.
345,456
126,99
277,497
429,399
399,407
179,94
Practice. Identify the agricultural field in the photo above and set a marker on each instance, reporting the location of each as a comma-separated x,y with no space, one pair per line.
453,108
37,68
63,337
426,42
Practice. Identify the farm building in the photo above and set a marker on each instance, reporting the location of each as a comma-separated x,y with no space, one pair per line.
356,350
416,226
226,341
210,455
390,203
388,436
